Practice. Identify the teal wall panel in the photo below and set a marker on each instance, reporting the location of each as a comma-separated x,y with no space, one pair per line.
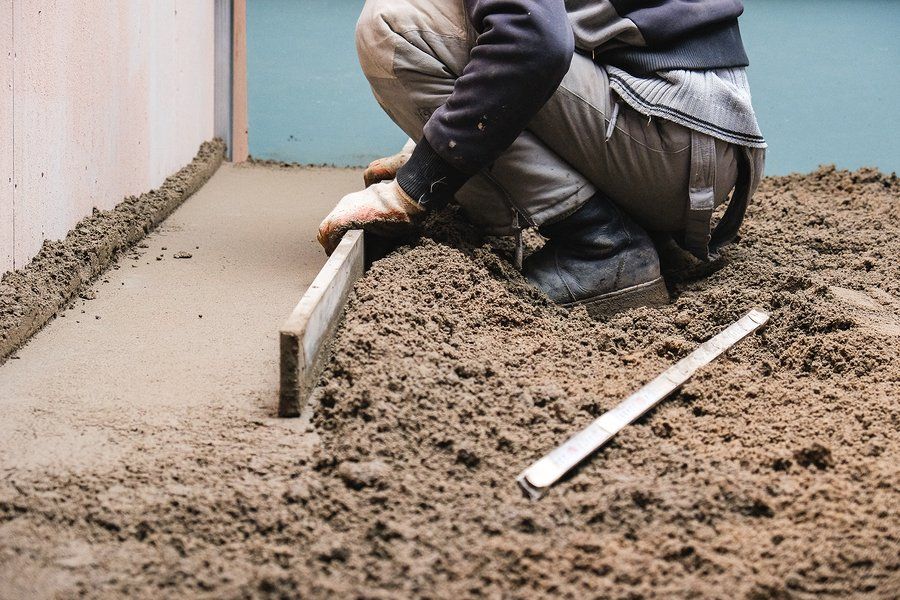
308,100
824,79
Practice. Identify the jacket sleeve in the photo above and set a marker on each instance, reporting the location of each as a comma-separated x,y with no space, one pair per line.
522,52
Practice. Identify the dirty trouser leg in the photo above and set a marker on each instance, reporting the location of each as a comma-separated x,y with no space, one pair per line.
412,51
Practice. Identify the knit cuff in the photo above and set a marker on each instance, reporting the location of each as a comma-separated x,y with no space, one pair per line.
428,179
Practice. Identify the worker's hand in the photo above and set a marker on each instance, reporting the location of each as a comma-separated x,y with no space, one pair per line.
383,208
385,169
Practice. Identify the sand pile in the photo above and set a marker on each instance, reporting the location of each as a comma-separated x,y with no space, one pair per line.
776,471
773,474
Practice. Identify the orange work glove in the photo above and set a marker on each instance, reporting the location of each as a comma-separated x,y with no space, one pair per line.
382,208
386,168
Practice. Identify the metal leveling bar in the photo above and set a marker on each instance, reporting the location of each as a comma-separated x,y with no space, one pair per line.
538,478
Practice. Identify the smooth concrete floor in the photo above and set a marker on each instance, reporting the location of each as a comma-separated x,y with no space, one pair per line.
173,339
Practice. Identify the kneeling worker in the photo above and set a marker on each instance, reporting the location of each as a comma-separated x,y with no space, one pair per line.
595,121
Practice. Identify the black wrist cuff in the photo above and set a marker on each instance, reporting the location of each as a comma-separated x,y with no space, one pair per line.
428,179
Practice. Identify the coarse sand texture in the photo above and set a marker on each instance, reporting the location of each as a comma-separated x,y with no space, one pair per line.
774,473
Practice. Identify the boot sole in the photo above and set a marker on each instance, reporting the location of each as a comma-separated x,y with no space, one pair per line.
651,293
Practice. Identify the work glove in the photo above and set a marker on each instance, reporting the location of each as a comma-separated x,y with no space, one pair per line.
385,169
382,208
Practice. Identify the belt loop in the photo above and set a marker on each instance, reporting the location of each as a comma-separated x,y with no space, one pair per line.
701,194
612,121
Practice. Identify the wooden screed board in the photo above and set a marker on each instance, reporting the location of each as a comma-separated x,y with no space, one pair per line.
305,338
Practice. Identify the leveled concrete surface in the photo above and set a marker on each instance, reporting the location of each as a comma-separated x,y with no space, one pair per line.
175,341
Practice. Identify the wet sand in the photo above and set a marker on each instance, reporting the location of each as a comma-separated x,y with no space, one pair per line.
165,368
773,474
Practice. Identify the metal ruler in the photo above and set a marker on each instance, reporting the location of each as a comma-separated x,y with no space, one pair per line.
538,478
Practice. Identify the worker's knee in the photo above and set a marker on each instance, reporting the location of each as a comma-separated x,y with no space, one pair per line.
378,32
422,35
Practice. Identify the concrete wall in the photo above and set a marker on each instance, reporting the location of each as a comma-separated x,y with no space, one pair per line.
98,101
6,136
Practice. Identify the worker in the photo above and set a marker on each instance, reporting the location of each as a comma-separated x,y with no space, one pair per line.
596,121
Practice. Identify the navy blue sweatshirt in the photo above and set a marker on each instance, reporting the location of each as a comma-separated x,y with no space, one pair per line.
523,51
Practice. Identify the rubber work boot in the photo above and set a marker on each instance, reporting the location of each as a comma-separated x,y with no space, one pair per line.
599,258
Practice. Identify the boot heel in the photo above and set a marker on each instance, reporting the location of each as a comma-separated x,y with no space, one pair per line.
651,293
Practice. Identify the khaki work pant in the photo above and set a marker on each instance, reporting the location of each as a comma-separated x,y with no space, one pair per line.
412,51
